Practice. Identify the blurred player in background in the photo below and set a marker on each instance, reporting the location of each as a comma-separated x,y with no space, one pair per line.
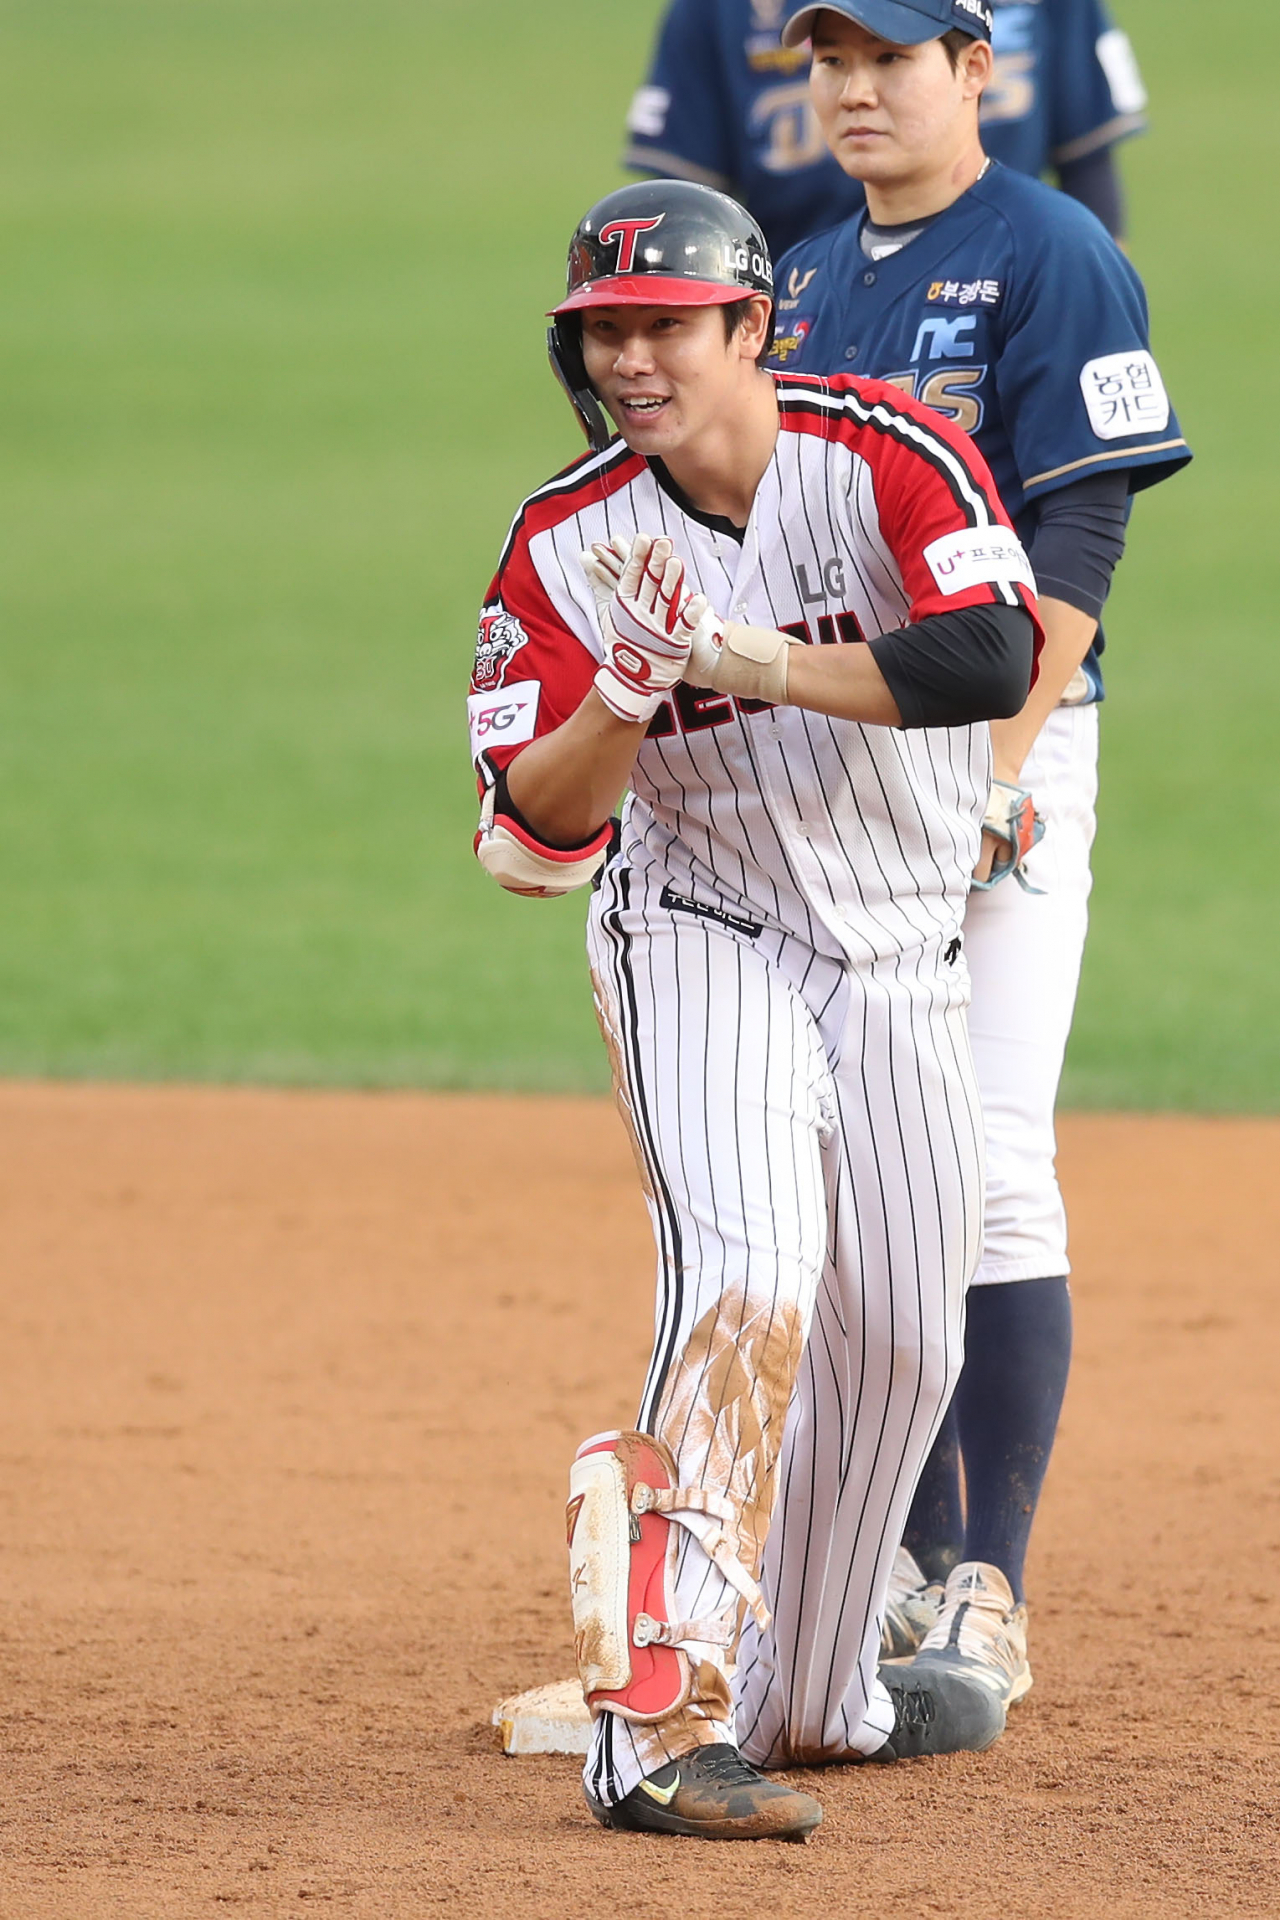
725,103
1005,307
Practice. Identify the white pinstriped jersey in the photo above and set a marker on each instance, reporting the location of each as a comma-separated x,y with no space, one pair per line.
873,512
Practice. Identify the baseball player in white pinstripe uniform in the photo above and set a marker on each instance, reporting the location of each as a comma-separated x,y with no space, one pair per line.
779,611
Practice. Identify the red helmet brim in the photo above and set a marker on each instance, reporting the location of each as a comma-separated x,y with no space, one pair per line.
652,290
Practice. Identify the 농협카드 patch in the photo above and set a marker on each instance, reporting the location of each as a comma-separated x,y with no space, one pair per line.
1124,394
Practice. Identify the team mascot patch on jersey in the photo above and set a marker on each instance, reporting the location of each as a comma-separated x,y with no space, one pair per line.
499,639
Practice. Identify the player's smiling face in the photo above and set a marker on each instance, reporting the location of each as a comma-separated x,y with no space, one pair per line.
894,114
668,374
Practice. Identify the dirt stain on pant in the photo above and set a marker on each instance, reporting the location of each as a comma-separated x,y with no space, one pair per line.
605,1012
725,1407
723,1416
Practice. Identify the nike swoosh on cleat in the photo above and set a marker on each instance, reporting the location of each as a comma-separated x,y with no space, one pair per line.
663,1795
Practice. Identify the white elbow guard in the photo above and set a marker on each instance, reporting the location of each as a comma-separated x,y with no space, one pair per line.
510,855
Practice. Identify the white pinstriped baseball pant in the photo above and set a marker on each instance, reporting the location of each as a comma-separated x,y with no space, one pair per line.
810,1139
1024,952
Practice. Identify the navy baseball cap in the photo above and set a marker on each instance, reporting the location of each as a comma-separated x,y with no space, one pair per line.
905,23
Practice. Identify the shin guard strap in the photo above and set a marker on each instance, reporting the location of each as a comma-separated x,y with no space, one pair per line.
679,1502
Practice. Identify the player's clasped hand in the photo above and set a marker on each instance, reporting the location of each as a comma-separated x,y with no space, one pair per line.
646,624
640,589
603,567
651,607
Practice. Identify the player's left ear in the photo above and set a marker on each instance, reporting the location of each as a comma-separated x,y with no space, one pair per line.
976,65
754,334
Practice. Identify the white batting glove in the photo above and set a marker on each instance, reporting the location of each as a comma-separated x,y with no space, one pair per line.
646,628
750,661
650,599
603,567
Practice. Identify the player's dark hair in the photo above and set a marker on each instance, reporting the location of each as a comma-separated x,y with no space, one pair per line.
734,316
955,43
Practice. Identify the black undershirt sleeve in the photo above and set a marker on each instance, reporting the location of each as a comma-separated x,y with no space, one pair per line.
954,669
1079,539
1095,182
503,804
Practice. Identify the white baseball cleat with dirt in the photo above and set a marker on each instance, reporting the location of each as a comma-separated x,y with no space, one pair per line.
979,1633
913,1605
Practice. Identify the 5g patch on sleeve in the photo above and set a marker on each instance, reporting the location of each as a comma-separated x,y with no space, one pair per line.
506,718
1124,394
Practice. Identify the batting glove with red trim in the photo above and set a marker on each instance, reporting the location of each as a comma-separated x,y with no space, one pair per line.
603,567
647,627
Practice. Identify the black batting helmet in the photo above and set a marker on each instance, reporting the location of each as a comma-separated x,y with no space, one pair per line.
659,243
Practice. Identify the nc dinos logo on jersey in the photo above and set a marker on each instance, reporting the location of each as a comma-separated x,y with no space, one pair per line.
500,636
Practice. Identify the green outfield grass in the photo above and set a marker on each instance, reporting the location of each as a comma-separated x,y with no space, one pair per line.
274,385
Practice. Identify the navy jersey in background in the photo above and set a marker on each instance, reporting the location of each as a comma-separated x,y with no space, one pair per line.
1015,314
727,104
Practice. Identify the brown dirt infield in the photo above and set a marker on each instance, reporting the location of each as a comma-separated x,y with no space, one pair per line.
289,1386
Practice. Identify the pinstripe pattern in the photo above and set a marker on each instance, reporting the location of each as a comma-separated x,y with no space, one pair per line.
797,1080
812,1143
860,837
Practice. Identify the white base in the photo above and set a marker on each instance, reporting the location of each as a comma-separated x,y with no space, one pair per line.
552,1719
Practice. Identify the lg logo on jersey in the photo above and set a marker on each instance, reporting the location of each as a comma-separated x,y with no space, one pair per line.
832,587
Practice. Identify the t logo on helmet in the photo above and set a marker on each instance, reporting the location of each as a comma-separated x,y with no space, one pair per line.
625,233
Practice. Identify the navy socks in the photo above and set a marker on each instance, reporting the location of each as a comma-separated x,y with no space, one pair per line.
1002,1423
1017,1353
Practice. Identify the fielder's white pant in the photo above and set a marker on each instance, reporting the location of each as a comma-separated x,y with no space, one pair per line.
1024,952
810,1140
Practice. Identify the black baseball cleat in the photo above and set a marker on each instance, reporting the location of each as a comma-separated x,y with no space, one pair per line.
938,1712
714,1794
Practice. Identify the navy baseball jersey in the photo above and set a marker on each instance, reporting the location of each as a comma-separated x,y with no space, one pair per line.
1065,84
1013,313
727,104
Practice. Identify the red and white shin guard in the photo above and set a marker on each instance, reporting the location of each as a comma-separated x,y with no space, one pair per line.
623,1513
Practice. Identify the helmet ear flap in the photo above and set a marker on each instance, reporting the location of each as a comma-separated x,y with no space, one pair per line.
564,350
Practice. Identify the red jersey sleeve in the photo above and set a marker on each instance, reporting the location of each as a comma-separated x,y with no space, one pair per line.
531,670
939,512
